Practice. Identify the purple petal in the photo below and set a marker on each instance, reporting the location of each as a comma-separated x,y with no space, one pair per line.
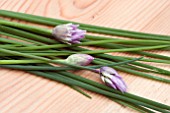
119,83
73,26
110,71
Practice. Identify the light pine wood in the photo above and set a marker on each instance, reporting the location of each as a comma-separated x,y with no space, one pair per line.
21,92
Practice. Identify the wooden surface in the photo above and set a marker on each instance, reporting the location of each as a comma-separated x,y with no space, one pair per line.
21,92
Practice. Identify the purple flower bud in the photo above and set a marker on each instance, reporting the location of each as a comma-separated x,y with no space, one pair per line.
111,78
68,33
80,59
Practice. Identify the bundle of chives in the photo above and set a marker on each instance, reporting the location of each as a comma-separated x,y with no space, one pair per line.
100,61
113,93
106,56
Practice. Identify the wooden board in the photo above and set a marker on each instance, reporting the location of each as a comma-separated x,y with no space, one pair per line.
21,92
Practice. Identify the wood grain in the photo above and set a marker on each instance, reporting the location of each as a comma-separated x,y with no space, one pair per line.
21,92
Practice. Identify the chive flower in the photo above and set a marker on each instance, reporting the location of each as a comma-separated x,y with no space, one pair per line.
80,59
68,33
112,79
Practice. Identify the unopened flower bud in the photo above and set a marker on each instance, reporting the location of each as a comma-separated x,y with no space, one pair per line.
68,33
80,59
111,78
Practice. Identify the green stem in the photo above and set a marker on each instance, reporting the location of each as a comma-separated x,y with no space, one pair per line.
5,40
133,106
43,31
137,68
124,50
153,55
27,35
80,91
123,41
149,60
21,38
136,42
39,53
63,45
8,45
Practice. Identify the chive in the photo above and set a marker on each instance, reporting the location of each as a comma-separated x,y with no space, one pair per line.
38,53
41,58
148,60
137,68
69,81
91,28
5,40
124,50
82,44
153,55
133,106
26,27
27,34
136,41
8,45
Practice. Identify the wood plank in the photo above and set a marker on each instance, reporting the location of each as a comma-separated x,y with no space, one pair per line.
21,92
